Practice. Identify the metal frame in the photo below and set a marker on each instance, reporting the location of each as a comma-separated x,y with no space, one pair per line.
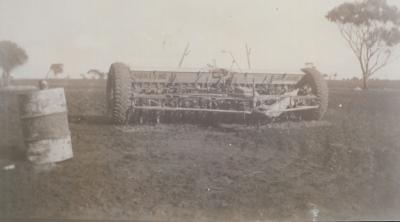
283,103
195,92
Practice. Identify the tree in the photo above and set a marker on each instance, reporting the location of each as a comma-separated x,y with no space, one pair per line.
97,74
56,68
11,56
83,76
372,30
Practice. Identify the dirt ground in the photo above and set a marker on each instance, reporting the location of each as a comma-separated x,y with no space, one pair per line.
345,166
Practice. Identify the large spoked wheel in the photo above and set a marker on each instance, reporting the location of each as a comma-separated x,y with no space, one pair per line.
313,83
118,92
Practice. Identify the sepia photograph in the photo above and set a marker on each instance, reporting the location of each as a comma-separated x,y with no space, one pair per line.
199,110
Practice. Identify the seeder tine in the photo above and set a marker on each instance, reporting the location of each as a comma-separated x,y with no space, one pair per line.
158,117
141,119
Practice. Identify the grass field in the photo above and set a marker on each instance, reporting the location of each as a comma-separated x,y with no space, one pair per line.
346,166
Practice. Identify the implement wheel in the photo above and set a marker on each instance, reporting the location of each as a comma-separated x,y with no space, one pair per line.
118,92
314,82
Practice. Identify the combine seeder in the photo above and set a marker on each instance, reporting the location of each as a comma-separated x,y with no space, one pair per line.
215,95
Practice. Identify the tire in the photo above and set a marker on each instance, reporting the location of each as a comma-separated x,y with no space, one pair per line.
319,88
118,92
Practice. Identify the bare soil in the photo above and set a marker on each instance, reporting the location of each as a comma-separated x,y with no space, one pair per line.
345,166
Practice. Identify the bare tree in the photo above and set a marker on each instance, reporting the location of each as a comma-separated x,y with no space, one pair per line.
11,56
372,30
248,52
186,52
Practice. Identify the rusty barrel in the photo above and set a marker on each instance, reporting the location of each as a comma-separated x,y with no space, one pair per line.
45,126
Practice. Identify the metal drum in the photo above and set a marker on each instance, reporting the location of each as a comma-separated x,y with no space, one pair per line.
11,142
45,126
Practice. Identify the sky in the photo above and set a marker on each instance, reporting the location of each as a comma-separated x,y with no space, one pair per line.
92,34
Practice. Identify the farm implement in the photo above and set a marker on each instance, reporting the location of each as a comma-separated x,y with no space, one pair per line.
214,95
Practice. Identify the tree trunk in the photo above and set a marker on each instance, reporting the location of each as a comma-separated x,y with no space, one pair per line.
365,79
3,80
6,79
